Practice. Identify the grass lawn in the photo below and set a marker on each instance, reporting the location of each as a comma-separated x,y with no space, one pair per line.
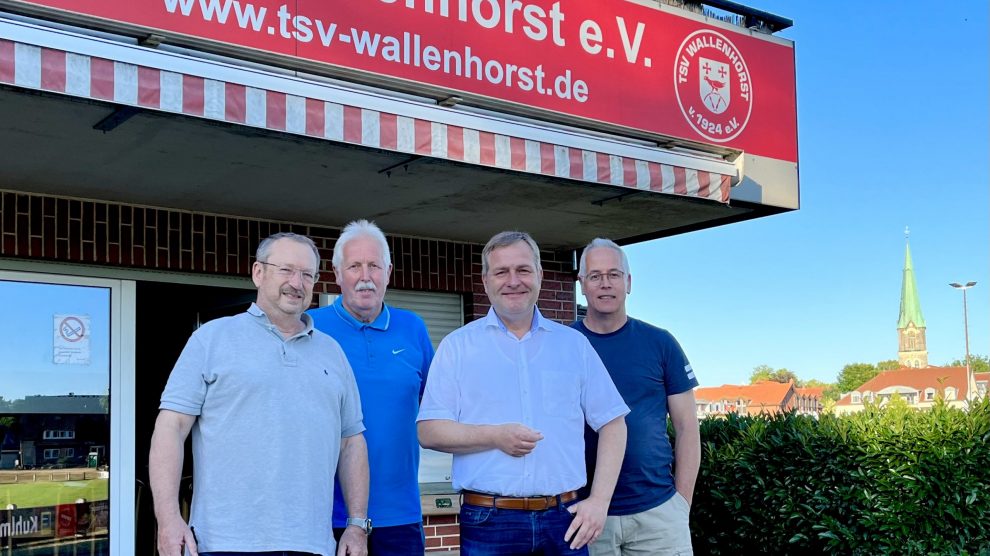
31,495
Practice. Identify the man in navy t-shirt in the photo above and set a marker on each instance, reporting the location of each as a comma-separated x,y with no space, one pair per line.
652,500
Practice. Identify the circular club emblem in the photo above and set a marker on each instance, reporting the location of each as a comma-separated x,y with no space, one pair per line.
713,85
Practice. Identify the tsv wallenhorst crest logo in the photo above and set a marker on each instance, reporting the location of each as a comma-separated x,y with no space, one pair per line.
713,85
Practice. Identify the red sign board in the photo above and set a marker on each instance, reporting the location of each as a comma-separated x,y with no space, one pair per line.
611,61
65,520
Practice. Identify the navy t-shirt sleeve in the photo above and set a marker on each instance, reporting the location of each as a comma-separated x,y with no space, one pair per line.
678,374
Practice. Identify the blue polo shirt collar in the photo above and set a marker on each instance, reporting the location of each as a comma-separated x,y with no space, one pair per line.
380,323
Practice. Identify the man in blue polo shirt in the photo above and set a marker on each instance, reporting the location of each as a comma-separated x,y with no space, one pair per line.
390,352
650,506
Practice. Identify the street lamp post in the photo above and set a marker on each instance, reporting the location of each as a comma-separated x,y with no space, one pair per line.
970,383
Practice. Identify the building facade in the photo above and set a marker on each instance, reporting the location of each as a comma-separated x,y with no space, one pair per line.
767,397
919,388
147,147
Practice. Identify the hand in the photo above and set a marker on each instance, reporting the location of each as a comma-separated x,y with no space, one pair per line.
173,534
589,520
516,440
353,542
687,497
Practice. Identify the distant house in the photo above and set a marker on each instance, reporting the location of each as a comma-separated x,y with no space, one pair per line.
52,431
918,387
809,400
766,397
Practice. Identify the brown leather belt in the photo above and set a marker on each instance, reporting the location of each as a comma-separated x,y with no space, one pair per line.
531,503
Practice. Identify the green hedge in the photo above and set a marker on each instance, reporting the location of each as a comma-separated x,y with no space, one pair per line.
889,480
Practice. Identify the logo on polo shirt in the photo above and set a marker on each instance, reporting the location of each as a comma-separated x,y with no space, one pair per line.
398,351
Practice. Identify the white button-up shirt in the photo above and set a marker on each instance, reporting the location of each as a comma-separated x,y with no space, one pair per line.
550,380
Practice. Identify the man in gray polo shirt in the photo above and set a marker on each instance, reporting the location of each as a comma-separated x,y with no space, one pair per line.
271,404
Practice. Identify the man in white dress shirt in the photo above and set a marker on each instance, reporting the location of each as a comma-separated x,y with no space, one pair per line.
509,396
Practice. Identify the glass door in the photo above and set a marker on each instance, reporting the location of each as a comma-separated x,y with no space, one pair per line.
66,458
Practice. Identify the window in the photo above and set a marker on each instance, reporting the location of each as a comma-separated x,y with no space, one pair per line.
856,398
443,312
65,350
950,393
929,394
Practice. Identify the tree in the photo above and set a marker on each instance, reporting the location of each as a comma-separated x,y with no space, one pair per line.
814,383
854,375
763,373
831,393
978,363
889,365
784,375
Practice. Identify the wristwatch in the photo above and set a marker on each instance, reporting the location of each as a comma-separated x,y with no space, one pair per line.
363,522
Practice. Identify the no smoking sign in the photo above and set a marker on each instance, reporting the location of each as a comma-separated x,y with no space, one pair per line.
71,340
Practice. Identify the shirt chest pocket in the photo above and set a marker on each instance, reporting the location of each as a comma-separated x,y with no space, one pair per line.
561,393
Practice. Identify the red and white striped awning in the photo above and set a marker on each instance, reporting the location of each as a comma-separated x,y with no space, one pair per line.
33,57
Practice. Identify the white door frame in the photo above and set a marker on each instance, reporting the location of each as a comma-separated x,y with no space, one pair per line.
122,388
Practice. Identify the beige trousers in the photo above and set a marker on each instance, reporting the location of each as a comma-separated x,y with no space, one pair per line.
661,531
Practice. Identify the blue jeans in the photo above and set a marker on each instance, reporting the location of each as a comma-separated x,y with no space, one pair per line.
394,540
498,532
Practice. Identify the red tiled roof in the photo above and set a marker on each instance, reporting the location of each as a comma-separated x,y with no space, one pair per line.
759,397
938,378
814,392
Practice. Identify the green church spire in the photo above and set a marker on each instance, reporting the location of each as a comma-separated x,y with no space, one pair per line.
910,304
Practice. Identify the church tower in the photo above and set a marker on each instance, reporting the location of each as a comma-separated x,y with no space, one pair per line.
912,348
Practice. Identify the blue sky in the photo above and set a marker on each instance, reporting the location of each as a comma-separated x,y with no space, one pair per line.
893,132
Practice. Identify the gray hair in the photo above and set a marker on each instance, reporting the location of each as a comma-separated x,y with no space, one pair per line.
356,229
265,247
601,242
505,239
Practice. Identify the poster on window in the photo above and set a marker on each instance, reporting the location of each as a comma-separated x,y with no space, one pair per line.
71,340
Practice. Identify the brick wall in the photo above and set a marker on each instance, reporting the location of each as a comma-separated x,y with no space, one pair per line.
109,234
443,534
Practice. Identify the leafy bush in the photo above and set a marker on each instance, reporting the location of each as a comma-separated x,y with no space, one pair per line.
889,480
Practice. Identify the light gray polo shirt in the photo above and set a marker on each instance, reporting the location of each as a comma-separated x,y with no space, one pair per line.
270,416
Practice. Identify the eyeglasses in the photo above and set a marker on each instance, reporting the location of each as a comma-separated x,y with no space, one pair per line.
287,272
613,276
